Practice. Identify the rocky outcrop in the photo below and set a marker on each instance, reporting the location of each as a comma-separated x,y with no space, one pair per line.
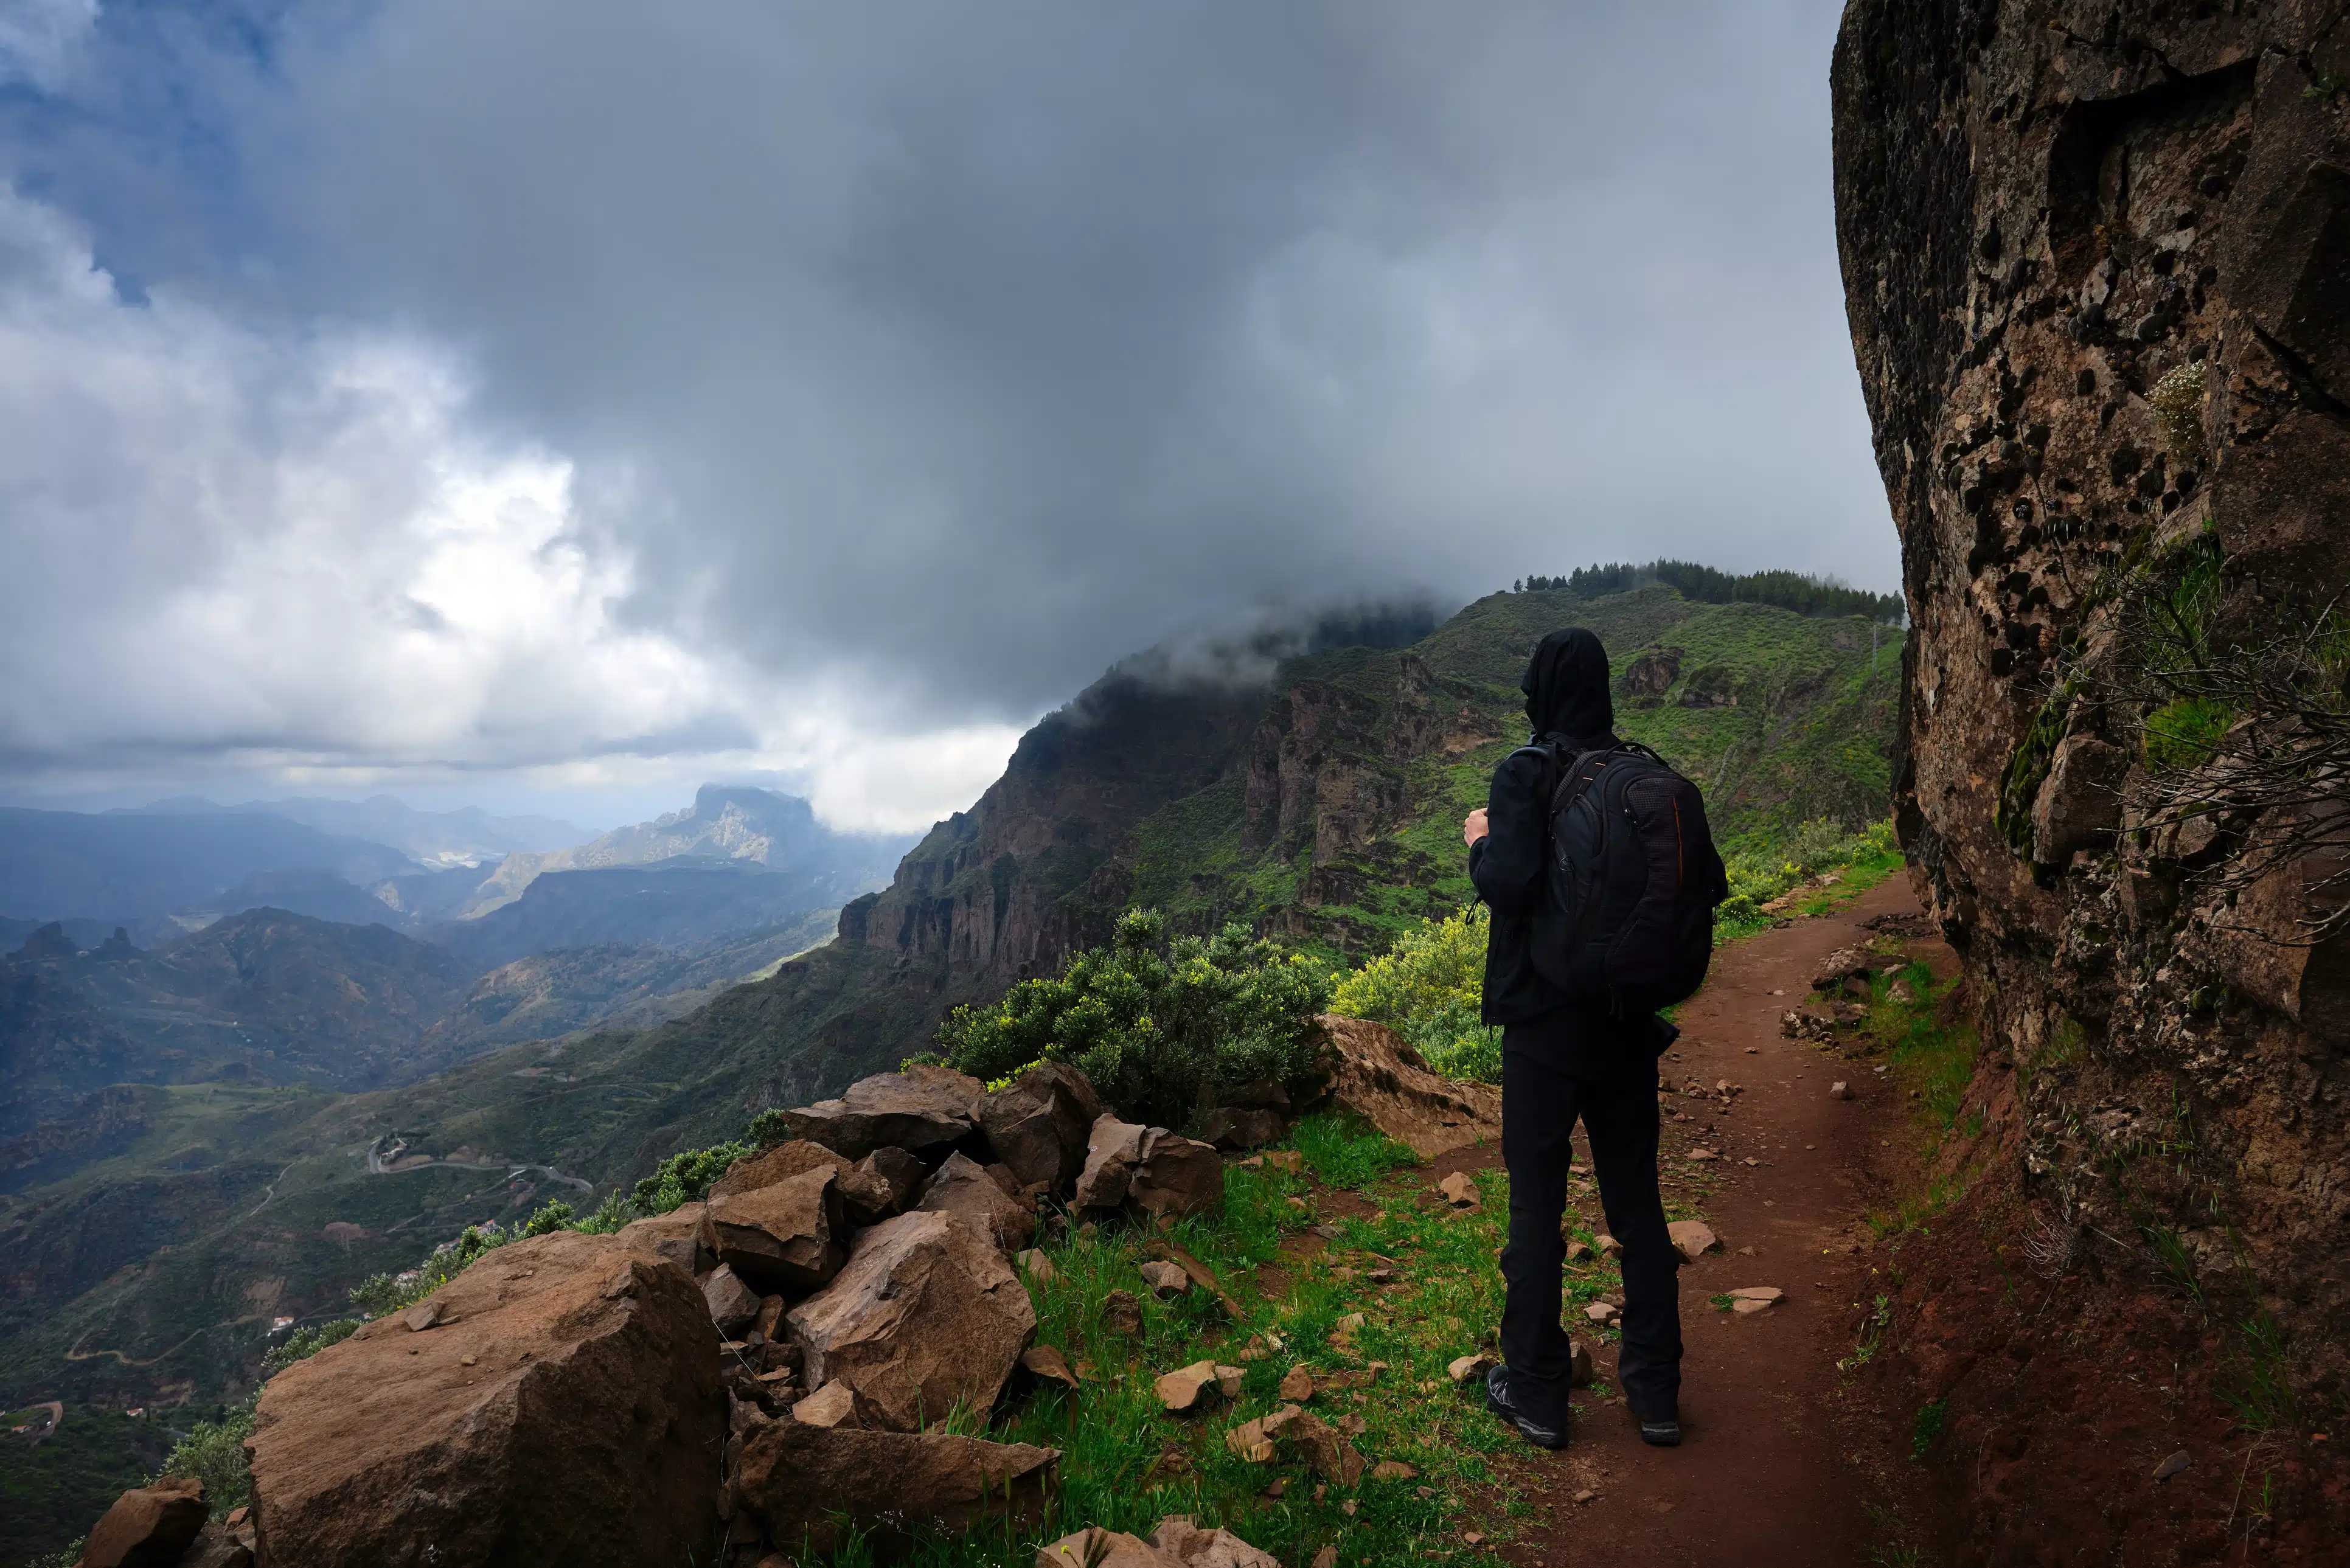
926,1315
2097,267
564,1410
1373,1074
793,1485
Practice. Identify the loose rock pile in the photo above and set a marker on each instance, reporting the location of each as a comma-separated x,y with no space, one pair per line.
747,1376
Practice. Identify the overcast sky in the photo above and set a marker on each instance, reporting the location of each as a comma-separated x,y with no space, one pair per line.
554,403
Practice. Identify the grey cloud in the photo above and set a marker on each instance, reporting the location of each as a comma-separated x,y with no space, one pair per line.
946,353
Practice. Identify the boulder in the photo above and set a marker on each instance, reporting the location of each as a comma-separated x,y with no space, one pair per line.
1097,1548
922,1110
1373,1074
567,1412
733,1305
1180,1537
676,1235
1179,1177
964,1188
1038,1124
925,1314
149,1526
1113,1150
801,1485
1242,1126
785,1239
871,1189
1151,1168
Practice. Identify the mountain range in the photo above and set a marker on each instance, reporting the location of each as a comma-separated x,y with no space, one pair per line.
1317,795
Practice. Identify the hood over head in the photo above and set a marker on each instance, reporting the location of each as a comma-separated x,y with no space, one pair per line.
1566,687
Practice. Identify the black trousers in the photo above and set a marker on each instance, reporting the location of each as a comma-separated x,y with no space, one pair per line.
1541,1103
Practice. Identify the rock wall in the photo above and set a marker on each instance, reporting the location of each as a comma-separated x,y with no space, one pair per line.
2097,266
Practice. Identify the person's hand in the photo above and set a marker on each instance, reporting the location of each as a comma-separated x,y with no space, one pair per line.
1472,826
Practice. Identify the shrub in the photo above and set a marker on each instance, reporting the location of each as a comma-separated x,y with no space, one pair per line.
214,1453
1427,988
381,1293
1163,1028
2185,735
306,1343
685,1177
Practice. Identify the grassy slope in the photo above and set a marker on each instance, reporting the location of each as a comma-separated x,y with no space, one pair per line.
129,1254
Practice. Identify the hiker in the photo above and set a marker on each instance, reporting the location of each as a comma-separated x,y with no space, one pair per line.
1580,1034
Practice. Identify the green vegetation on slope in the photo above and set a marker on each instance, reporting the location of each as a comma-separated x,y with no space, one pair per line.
1799,591
1323,812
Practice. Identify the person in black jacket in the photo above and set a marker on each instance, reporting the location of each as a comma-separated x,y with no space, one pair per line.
1565,1060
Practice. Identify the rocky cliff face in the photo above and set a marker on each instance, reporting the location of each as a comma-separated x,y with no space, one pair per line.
2097,265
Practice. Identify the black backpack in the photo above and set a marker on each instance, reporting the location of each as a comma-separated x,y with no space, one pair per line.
1633,879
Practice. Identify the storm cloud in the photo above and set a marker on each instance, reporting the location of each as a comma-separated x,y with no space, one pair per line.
579,391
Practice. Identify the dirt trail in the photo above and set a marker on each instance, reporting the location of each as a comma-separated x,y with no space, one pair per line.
1764,1477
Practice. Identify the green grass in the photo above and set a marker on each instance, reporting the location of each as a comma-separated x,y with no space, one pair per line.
1126,1464
1927,1427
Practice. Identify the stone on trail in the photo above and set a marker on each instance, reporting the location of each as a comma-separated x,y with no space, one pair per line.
1578,1363
1298,1383
834,1405
2173,1465
922,1109
1376,1075
1608,1246
585,1430
1839,1090
787,1238
148,1526
1464,1367
925,1313
1039,1123
1692,1238
424,1315
1180,1537
1845,964
1769,1296
802,1485
1603,1313
1577,1252
1460,1189
731,1303
1747,1307
963,1187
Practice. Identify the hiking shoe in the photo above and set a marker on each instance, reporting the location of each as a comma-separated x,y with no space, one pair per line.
1497,1400
1661,1434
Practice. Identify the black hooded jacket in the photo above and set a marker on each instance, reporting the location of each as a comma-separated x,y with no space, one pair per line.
1567,702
